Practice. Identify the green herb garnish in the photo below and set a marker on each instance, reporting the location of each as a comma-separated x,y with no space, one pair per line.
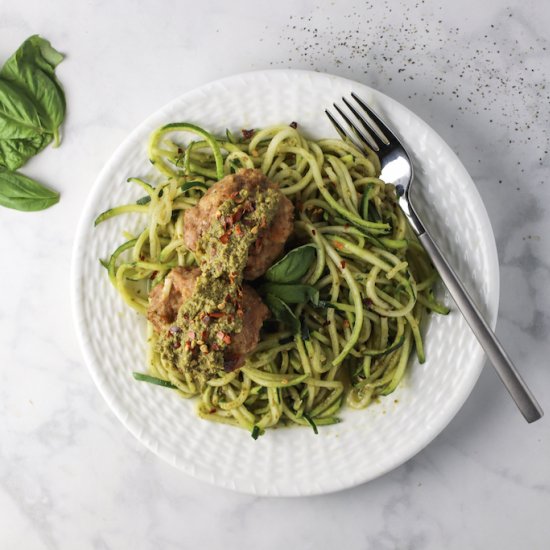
153,380
32,109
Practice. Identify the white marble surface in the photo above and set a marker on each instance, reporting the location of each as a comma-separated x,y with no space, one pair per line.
72,477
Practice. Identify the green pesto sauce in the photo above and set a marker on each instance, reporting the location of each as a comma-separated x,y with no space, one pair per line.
206,323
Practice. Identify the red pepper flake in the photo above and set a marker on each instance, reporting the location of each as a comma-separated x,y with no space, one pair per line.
338,245
237,215
142,257
153,275
204,335
227,339
212,410
177,345
247,134
224,239
313,232
215,347
238,230
293,125
216,314
346,226
345,322
343,264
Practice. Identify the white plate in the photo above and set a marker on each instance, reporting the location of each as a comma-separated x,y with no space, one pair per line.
286,461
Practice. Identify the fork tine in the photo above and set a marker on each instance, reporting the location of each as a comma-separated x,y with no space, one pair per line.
365,137
376,124
365,123
339,128
341,132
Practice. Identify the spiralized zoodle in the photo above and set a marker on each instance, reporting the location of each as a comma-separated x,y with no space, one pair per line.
374,281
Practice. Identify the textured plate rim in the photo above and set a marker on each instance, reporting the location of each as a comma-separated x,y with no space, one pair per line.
88,215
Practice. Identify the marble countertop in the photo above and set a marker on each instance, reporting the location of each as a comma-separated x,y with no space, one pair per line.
71,476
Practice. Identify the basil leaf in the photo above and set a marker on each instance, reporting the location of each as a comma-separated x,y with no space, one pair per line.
22,193
293,266
32,69
18,115
292,294
282,312
32,103
15,152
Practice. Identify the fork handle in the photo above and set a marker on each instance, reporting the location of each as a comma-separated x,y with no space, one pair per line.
512,380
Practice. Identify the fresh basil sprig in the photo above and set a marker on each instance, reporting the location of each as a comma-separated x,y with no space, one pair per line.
283,287
292,293
22,193
282,312
293,266
32,109
28,85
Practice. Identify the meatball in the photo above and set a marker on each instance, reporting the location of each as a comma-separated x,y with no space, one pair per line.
271,240
165,299
164,307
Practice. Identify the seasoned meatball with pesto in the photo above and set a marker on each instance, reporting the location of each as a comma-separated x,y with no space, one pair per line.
166,298
270,241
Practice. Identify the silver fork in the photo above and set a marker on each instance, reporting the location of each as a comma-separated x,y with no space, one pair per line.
368,129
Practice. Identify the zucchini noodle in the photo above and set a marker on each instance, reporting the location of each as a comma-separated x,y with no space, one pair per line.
374,281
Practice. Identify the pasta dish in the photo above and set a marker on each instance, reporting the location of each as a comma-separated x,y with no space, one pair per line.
277,273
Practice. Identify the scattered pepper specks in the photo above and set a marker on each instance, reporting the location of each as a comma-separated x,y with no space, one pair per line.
485,79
